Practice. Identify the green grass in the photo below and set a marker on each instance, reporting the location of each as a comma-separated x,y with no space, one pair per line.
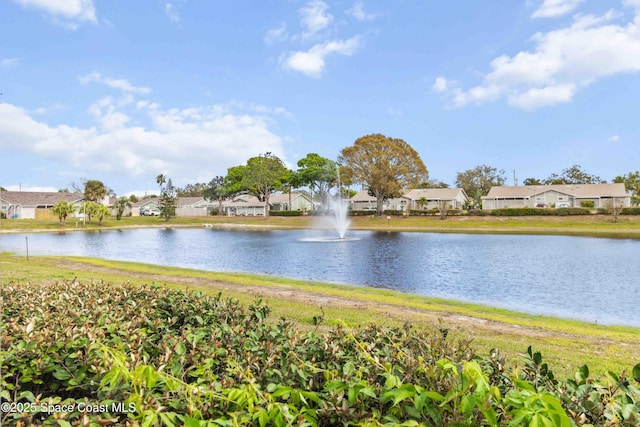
592,225
567,344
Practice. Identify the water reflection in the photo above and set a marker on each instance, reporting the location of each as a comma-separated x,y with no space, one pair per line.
585,278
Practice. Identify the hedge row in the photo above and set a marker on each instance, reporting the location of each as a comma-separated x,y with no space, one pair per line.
177,358
285,213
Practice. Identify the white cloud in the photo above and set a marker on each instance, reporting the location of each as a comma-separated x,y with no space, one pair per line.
72,11
312,61
314,17
171,12
394,112
562,62
614,138
30,188
555,8
440,85
120,84
10,62
276,34
358,12
186,144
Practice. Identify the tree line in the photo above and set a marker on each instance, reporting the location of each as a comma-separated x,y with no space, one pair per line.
385,166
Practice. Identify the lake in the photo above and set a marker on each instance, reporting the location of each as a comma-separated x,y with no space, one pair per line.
591,279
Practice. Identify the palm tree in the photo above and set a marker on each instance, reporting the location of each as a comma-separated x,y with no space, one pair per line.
63,209
101,212
121,204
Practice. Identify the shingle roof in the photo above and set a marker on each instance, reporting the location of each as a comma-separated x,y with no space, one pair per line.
39,198
576,190
433,193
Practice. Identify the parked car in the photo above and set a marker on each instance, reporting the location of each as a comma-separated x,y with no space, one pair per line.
150,212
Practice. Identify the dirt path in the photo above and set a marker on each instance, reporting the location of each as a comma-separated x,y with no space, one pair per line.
452,320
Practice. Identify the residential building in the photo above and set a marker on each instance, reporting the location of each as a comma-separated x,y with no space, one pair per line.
558,196
430,198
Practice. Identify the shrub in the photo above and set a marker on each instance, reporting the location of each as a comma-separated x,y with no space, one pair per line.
182,357
285,213
587,204
631,211
393,212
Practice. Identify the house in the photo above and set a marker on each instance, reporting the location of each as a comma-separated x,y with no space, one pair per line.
244,205
144,205
35,204
290,202
558,196
194,206
363,201
430,198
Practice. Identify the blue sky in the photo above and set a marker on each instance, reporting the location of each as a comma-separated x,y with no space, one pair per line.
123,90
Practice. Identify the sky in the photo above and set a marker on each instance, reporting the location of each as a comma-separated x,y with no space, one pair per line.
122,91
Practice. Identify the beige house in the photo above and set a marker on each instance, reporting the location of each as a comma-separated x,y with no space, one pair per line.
194,206
362,201
36,204
558,196
429,198
244,205
294,202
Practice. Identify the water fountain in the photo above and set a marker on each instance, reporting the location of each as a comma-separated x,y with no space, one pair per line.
339,222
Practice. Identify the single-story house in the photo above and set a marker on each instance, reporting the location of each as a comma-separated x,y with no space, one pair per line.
35,204
290,202
195,206
558,196
429,198
143,205
244,205
363,201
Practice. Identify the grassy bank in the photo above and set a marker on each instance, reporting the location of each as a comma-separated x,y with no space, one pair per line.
593,225
566,344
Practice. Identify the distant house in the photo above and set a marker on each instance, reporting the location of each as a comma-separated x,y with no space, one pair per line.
143,205
290,202
35,204
363,201
244,205
429,198
559,196
194,206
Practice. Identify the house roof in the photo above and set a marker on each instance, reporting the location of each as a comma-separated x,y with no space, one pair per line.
39,198
575,190
284,197
189,201
434,193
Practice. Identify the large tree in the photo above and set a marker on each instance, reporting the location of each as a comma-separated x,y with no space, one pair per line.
168,201
192,190
95,190
263,175
387,166
319,174
478,181
573,175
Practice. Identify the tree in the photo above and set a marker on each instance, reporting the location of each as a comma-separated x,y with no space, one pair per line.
573,175
192,190
385,165
433,183
90,209
168,201
63,209
262,175
216,190
319,173
102,212
631,183
95,190
478,181
532,181
121,204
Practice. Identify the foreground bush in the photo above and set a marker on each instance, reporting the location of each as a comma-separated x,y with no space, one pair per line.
152,356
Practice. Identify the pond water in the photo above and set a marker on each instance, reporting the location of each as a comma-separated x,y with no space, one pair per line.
584,278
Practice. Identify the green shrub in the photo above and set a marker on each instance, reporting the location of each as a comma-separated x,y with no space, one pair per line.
631,211
182,358
285,213
393,212
587,204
